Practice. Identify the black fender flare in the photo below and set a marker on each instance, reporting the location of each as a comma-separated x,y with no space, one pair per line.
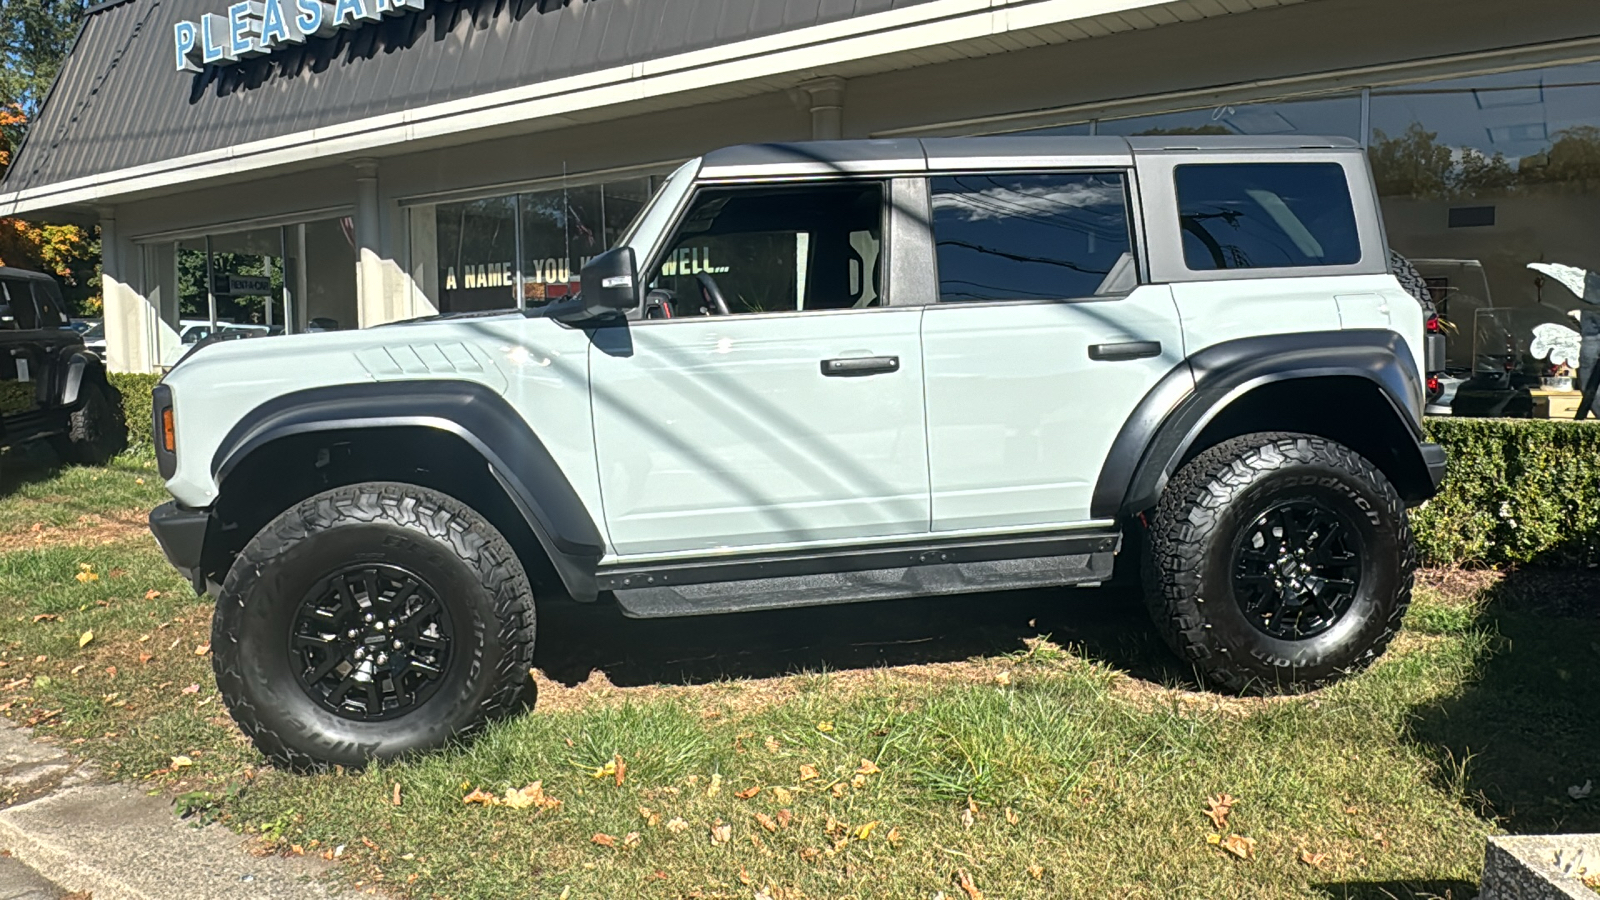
1159,433
471,411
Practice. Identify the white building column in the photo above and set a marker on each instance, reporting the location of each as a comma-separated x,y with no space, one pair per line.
825,99
130,323
372,306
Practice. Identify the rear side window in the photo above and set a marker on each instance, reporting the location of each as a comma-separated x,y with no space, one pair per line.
48,296
1266,215
1031,236
18,313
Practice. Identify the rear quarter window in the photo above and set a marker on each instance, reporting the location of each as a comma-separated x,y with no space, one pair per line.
1266,216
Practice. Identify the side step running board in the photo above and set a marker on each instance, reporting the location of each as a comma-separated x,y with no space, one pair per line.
871,584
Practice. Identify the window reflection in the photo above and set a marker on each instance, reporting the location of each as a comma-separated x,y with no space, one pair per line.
1339,116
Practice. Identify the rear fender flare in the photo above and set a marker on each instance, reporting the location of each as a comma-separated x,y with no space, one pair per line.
473,412
1157,437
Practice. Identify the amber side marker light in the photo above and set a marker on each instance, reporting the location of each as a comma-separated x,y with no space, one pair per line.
168,438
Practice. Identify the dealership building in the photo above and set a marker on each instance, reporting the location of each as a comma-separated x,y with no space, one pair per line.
314,164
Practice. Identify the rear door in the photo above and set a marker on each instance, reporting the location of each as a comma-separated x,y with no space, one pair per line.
21,359
54,339
795,416
1040,344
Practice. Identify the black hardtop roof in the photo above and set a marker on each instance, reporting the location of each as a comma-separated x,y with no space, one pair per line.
29,274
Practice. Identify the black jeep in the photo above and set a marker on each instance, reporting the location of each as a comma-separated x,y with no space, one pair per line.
51,387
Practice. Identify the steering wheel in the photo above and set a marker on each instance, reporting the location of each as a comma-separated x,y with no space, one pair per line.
711,295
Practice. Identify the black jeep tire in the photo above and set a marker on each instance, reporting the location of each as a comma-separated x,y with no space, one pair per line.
96,430
1323,603
431,562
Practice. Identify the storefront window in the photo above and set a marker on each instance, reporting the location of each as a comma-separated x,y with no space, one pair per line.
535,242
1479,177
1339,116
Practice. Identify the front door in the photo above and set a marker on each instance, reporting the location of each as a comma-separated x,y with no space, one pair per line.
1041,344
773,398
28,346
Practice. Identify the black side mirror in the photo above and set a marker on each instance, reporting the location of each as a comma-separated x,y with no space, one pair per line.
610,283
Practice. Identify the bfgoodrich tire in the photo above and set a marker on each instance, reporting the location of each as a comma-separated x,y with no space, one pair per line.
1278,562
370,622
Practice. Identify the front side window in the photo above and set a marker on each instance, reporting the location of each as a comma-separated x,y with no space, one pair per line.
773,249
1266,215
1031,236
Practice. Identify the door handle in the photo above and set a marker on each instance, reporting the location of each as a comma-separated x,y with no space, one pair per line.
1124,350
860,365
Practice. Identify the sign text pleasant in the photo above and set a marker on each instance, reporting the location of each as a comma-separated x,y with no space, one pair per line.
257,27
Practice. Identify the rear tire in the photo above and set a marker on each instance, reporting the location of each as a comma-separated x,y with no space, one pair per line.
96,430
370,622
1278,562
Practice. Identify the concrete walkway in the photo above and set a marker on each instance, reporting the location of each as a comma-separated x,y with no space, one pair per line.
73,836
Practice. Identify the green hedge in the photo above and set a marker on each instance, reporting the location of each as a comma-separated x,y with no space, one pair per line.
137,408
1518,491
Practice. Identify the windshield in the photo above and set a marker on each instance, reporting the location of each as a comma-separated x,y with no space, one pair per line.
645,230
96,332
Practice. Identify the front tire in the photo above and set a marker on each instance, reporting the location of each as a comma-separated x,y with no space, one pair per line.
370,622
1279,562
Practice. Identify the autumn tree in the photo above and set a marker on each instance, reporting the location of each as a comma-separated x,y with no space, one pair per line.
35,36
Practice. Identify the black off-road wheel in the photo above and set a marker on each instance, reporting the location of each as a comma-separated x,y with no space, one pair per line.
96,430
371,622
1278,562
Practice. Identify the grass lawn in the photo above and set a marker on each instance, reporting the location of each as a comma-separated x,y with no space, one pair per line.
1037,744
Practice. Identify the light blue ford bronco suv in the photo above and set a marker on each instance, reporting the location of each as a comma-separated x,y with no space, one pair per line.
819,373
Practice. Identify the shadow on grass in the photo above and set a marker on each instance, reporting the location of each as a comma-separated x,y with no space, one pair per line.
1399,890
1108,624
28,464
1528,727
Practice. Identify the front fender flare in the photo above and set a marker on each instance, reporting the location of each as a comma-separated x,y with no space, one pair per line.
471,411
1157,437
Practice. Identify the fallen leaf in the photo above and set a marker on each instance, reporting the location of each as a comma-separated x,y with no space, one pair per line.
677,825
808,772
771,744
715,787
79,668
1239,845
858,781
111,671
152,594
395,799
45,617
894,836
838,790
1581,792
767,822
744,876
144,658
784,818
1315,860
967,818
1002,678
202,650
85,638
650,816
868,767
782,795
621,767
964,882
824,727
86,574
603,839
810,854
721,833
480,796
116,573
191,689
631,839
747,793
865,831
531,796
1011,816
1217,808
181,762
1036,872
